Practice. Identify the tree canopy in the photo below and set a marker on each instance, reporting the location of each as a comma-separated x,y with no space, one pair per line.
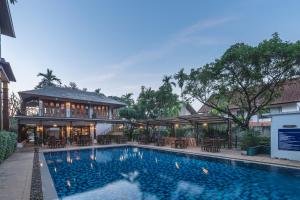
152,103
245,80
48,79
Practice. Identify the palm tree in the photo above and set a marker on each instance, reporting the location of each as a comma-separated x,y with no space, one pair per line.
13,1
128,99
180,77
167,80
48,79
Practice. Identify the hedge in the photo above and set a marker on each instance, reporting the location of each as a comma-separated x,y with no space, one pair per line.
8,144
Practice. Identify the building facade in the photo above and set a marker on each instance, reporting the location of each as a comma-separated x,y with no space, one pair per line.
66,113
6,73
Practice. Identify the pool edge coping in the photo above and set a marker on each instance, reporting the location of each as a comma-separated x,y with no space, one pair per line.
48,188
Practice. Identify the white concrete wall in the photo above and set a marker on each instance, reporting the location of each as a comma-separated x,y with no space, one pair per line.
278,121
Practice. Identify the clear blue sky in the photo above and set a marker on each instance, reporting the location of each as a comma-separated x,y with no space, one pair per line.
120,45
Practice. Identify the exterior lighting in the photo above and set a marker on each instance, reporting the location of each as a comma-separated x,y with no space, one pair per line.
176,125
54,125
205,124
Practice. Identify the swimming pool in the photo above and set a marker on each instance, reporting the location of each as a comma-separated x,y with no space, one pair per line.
138,173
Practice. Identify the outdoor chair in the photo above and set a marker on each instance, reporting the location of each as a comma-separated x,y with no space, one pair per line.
52,142
143,139
179,143
160,142
211,145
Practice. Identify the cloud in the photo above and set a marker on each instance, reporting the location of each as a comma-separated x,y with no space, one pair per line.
189,34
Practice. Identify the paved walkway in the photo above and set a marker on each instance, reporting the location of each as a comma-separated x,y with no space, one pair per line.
15,175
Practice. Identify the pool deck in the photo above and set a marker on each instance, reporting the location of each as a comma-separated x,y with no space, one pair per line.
15,175
231,154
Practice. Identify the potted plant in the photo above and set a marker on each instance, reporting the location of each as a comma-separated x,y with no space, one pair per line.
250,141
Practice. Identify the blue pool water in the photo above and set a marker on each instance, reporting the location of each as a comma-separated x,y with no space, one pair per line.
138,173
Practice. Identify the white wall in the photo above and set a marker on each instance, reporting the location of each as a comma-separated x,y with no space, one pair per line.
278,121
291,107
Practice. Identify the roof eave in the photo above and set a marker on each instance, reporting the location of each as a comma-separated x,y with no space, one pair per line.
8,28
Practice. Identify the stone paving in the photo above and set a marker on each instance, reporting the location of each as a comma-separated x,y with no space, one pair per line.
15,175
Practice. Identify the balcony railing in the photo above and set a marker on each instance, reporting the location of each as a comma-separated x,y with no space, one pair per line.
62,113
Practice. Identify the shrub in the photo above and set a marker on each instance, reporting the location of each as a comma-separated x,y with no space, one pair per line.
8,144
263,140
250,139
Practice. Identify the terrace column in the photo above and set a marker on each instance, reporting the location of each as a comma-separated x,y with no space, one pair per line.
109,112
90,111
41,109
5,107
68,109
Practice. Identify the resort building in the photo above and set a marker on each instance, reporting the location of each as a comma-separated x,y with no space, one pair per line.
6,73
289,101
66,113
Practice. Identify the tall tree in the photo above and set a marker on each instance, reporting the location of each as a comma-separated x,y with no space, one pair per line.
246,79
167,80
98,90
180,77
72,85
48,79
128,99
13,1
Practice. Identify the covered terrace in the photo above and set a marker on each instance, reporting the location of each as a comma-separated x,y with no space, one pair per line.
198,122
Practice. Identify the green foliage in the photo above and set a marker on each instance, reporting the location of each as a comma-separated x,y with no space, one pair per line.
8,144
165,132
48,79
250,139
247,78
214,132
184,132
128,113
263,140
151,103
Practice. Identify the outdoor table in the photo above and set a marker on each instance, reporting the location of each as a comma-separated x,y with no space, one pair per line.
191,142
169,140
180,143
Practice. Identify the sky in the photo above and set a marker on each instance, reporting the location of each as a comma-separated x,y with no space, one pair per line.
119,46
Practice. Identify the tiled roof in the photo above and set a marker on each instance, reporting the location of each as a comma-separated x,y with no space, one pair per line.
290,94
70,94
